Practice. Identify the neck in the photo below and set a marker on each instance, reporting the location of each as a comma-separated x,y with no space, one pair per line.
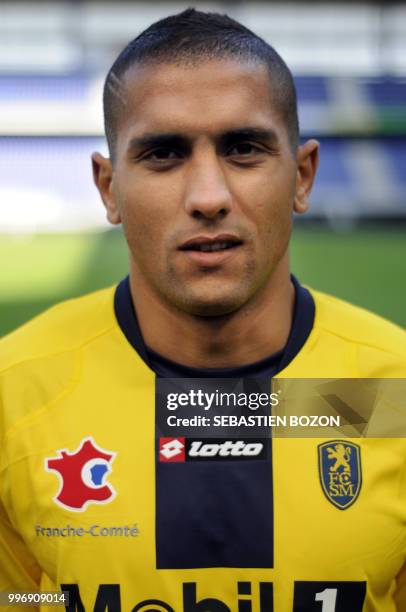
250,334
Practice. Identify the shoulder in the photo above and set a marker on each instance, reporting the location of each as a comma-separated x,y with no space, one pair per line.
358,325
63,328
376,340
41,362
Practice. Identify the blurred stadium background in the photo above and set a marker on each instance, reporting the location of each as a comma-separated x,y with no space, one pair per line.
349,62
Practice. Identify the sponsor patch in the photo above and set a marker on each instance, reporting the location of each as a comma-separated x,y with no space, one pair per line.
211,449
83,475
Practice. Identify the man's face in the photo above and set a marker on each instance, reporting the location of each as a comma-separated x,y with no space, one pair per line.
204,183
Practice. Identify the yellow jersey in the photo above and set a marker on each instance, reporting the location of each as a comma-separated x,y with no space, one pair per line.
96,502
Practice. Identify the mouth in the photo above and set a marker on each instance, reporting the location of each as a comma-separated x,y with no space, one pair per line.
205,244
211,252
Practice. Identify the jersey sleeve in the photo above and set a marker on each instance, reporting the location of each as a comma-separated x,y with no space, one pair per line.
19,570
400,593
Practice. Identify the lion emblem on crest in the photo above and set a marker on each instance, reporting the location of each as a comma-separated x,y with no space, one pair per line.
342,455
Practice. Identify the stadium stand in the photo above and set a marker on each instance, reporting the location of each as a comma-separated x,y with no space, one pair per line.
51,120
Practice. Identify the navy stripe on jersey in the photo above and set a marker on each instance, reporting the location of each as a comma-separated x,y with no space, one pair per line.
215,513
214,496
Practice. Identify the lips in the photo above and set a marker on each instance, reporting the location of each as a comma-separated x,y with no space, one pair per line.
211,244
211,252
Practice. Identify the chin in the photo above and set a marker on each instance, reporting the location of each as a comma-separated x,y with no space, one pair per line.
211,298
209,307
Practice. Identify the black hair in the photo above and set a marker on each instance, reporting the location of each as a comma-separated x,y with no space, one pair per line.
193,36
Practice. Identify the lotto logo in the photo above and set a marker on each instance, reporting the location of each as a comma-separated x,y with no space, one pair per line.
172,449
215,449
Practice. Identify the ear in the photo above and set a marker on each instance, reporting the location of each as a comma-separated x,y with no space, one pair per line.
103,179
307,162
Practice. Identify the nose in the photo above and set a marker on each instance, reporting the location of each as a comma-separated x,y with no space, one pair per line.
207,193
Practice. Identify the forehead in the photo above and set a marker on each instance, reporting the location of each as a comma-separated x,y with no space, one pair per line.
206,97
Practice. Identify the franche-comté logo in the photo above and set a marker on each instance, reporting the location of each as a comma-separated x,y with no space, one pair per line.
83,475
176,450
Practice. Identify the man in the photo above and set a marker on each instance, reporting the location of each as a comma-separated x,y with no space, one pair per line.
99,498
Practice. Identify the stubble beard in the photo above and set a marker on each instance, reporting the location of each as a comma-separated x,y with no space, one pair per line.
218,298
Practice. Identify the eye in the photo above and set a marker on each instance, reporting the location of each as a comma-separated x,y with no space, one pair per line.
162,155
244,149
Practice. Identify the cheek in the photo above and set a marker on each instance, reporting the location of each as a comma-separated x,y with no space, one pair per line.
144,215
269,203
270,184
270,210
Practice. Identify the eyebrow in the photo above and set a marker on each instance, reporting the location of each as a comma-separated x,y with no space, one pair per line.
252,133
177,139
153,141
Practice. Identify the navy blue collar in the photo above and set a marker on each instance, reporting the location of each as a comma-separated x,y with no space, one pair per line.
302,324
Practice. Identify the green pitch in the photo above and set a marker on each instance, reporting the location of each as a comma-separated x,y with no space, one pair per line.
365,266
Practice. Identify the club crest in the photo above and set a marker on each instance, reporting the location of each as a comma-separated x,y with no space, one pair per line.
340,472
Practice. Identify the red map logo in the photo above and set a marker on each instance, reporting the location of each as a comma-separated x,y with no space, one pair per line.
83,475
